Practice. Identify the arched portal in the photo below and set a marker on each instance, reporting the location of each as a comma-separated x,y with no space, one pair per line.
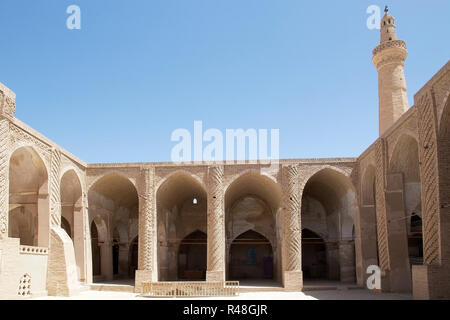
252,202
251,257
28,198
314,257
329,206
113,198
71,209
181,206
192,257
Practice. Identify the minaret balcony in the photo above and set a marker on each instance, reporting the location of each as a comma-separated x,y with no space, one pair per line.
389,44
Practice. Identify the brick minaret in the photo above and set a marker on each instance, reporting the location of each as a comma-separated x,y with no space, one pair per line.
389,59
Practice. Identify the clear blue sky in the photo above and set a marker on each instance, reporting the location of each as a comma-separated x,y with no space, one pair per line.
137,70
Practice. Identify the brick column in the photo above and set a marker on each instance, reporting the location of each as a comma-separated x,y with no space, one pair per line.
4,177
332,248
216,225
380,200
347,261
432,279
147,229
55,189
79,240
366,250
106,259
391,227
7,110
124,250
62,273
292,238
87,239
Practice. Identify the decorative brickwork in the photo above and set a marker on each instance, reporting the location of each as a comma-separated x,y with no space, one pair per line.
55,189
146,219
429,176
4,177
216,220
25,286
292,224
7,102
382,228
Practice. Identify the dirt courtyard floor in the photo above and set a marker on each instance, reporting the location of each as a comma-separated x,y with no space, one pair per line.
348,294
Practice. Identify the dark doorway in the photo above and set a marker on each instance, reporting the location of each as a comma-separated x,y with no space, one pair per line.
192,257
251,257
314,260
133,258
95,250
415,241
115,249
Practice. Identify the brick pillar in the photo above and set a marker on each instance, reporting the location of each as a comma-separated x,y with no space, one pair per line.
172,258
124,250
216,225
80,242
55,189
400,270
380,200
4,177
147,229
347,261
7,110
87,240
106,259
333,260
391,226
365,242
292,237
62,273
432,279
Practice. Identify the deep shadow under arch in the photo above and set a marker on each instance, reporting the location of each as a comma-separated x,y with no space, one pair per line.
251,257
314,258
133,257
192,255
96,259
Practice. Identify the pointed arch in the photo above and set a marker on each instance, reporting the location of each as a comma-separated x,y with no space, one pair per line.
336,193
254,182
181,208
252,202
28,197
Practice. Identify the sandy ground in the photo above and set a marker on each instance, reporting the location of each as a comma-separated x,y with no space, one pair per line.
352,294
